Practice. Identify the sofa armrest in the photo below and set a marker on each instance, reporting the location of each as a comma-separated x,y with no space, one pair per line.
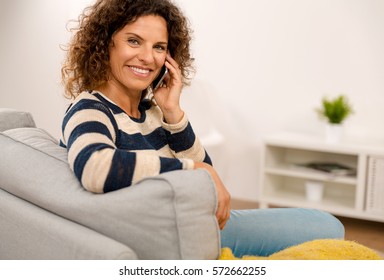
11,118
171,216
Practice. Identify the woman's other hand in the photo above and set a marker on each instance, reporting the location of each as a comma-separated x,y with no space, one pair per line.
223,196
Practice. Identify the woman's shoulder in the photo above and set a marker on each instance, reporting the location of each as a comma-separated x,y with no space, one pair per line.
86,96
86,102
83,98
87,107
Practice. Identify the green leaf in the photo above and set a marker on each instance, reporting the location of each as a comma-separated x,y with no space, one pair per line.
335,110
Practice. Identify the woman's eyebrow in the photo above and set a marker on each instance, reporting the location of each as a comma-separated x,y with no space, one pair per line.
162,43
134,35
141,38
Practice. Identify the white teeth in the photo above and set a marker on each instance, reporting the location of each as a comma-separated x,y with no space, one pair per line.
139,70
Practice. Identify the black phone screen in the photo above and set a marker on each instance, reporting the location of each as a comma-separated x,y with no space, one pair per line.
159,79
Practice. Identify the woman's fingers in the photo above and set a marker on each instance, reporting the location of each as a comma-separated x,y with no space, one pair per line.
223,213
224,199
223,210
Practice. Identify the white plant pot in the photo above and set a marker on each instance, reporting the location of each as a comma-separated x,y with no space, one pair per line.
314,190
333,133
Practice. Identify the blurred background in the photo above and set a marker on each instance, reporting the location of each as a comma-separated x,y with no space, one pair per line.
263,66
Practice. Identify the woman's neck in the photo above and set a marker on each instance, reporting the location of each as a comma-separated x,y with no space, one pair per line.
128,101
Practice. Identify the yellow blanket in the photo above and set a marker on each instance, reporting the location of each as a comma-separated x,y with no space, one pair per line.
321,249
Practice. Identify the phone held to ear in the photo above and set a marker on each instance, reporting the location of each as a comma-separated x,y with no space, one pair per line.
159,79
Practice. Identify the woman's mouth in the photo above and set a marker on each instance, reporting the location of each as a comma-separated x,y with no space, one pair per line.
139,71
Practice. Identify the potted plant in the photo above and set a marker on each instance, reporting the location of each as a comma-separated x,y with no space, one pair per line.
335,111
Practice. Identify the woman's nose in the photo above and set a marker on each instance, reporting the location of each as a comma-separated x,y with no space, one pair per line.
146,55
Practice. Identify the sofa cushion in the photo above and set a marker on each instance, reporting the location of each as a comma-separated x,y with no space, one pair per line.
11,118
29,232
171,216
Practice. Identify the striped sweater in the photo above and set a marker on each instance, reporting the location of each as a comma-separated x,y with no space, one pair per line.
109,150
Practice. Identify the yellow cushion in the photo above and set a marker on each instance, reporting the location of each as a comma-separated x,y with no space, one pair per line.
321,249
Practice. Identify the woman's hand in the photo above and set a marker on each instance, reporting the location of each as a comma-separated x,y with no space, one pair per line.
223,196
168,96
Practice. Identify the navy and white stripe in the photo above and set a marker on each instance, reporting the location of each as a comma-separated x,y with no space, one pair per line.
108,150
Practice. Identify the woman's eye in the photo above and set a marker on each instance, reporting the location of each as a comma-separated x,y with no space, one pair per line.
133,41
160,48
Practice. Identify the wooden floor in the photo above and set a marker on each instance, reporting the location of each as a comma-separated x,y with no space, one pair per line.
368,233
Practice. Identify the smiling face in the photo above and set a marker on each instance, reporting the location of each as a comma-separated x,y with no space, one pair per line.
137,53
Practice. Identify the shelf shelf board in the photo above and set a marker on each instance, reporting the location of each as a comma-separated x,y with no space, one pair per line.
306,173
318,143
331,207
290,199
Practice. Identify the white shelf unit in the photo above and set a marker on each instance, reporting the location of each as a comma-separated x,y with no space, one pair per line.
283,181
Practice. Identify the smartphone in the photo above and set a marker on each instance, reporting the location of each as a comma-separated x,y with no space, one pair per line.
159,79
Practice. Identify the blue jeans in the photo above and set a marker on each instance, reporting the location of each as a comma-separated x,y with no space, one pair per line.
263,232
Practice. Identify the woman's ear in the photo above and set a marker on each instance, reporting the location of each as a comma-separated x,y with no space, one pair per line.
112,40
111,43
170,52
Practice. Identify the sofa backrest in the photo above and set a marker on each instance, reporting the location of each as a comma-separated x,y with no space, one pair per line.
11,118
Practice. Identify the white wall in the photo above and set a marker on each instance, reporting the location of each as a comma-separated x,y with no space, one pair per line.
32,33
273,60
269,62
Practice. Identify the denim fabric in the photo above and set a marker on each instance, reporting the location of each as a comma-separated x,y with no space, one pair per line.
263,232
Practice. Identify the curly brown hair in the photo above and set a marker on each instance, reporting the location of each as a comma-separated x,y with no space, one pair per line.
86,65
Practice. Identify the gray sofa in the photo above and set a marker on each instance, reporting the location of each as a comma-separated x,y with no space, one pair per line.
46,214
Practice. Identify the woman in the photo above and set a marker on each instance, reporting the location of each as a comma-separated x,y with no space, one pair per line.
118,130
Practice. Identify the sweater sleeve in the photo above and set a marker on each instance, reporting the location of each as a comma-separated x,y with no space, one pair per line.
184,143
90,133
